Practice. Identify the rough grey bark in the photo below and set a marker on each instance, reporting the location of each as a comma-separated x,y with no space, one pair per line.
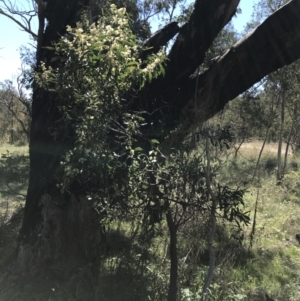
67,237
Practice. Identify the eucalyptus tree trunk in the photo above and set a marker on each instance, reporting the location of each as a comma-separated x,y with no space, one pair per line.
236,149
60,231
279,155
260,153
287,149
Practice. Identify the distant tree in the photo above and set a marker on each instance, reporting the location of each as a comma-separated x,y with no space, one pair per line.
283,84
19,108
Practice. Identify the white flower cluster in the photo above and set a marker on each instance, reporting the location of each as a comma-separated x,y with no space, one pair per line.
156,60
43,77
106,53
101,37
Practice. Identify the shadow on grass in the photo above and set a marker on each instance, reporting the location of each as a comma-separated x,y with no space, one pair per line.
124,273
120,275
9,230
14,173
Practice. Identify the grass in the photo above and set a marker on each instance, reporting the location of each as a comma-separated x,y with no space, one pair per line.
252,149
6,148
14,170
138,270
274,266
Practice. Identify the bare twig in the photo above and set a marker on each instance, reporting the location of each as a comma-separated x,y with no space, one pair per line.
7,99
23,18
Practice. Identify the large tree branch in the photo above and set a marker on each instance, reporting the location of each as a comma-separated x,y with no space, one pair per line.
272,45
207,20
159,38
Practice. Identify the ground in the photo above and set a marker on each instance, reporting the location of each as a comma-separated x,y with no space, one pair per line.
270,266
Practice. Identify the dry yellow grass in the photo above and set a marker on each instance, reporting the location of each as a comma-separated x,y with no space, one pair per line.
8,148
252,149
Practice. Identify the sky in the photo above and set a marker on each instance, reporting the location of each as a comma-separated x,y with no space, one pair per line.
12,38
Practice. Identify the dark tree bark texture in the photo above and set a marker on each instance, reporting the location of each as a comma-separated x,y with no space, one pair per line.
59,231
62,231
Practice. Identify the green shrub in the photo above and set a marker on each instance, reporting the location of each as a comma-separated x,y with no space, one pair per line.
270,164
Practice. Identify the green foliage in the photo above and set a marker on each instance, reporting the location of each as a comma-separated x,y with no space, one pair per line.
270,164
98,64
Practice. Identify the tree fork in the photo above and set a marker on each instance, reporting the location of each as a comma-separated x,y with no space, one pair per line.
166,97
271,46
